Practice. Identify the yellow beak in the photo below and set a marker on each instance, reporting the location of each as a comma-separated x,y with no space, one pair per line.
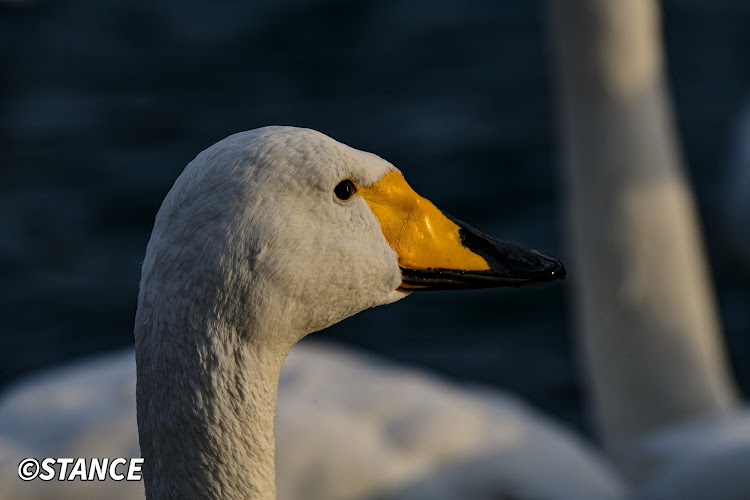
437,252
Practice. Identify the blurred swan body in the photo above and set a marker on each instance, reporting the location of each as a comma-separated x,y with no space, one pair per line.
700,460
349,426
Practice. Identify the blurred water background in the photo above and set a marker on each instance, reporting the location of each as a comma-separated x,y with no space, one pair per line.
103,103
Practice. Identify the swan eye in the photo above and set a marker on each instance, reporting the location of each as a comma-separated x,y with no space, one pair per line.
345,189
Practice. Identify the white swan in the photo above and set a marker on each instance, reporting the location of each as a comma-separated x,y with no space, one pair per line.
661,387
348,426
265,237
709,457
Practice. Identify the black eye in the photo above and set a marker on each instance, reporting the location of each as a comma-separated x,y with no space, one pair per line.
345,189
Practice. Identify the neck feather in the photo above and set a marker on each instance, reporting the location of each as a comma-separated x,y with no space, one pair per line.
206,412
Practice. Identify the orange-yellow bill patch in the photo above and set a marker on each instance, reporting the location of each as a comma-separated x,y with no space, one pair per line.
422,236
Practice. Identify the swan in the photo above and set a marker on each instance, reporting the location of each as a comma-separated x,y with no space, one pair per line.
265,237
660,383
348,426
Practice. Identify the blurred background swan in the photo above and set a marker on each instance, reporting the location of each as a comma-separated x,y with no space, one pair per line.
665,401
104,104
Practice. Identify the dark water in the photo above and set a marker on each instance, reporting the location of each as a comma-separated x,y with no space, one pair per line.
102,103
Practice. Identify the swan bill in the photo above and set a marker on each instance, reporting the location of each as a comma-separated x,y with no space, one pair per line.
509,265
438,252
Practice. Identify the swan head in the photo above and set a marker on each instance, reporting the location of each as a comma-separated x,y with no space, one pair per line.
284,231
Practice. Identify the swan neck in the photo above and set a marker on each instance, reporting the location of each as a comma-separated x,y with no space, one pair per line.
206,419
650,329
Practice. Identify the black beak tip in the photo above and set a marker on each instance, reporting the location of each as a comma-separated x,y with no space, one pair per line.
555,270
560,273
550,269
